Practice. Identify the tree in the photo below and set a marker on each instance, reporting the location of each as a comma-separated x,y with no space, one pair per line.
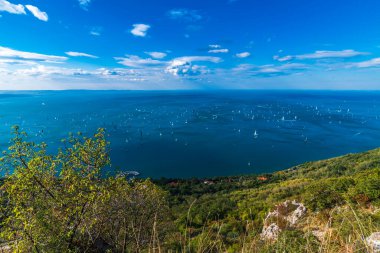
61,203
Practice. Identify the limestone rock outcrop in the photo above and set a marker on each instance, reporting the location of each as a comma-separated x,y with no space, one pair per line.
284,216
374,241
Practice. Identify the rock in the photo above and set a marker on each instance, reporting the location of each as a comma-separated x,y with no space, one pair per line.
285,215
270,232
297,214
374,241
289,212
320,235
5,248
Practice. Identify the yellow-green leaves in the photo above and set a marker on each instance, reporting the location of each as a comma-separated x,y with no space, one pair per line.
61,203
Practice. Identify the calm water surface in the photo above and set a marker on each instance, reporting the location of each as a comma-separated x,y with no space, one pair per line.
200,134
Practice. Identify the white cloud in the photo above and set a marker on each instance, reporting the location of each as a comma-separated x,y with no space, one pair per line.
42,70
368,64
118,72
137,62
140,30
16,63
214,46
243,55
84,3
51,72
37,13
39,75
218,51
271,70
20,9
9,53
96,30
95,33
11,8
282,59
331,54
199,59
45,76
79,54
183,66
185,14
322,55
157,55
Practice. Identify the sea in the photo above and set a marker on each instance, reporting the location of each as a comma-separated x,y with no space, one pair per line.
185,134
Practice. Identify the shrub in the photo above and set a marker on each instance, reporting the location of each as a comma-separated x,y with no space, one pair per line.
61,203
367,187
327,193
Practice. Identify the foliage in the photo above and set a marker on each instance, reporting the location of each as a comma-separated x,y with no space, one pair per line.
367,187
327,193
60,203
330,189
65,203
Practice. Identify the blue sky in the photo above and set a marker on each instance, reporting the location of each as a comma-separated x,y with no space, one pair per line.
183,44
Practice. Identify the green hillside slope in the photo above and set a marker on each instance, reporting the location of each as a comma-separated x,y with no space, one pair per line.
341,196
63,203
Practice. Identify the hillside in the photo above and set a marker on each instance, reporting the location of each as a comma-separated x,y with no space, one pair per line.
341,196
63,203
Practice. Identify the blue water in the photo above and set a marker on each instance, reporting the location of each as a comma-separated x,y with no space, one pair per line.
202,134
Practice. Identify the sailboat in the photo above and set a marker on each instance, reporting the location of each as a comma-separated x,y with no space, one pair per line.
256,135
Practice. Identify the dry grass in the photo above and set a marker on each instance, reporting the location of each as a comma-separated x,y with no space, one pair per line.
342,229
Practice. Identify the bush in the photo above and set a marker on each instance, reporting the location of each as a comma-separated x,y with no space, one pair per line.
327,193
61,203
367,187
211,209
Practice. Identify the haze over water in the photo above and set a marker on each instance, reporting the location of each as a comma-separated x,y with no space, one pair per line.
202,134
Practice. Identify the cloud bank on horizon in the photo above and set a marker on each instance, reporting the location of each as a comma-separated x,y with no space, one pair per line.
241,44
